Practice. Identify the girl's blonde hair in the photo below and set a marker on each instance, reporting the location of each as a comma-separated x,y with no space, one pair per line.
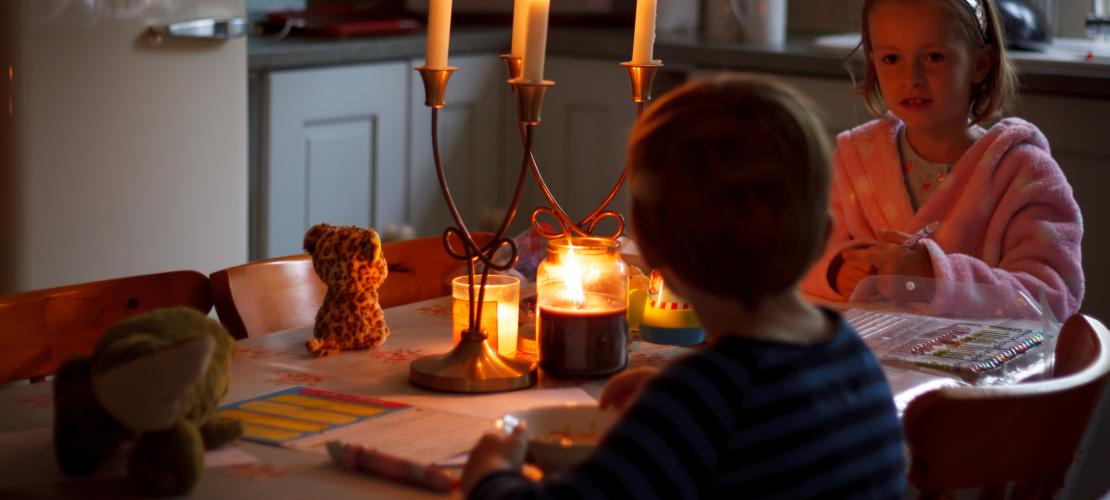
989,98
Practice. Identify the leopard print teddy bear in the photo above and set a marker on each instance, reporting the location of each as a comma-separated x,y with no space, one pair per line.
349,261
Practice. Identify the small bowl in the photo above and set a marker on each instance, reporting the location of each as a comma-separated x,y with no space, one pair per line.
561,436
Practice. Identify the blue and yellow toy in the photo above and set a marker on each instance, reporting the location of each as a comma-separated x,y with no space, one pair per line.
668,318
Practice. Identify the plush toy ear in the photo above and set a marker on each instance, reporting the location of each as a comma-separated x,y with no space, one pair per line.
373,244
313,235
146,393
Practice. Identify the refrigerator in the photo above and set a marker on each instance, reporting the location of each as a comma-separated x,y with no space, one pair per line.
123,139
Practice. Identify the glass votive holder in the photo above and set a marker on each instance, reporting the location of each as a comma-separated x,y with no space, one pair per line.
500,310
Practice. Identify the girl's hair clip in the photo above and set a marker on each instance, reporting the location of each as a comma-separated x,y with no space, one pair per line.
979,10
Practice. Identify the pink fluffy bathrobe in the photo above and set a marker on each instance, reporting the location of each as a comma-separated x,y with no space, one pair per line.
1007,215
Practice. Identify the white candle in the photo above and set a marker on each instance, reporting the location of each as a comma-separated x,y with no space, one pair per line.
643,38
520,27
439,34
536,45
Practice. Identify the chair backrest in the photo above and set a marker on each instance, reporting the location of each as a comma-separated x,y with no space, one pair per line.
419,269
40,329
284,292
267,295
1027,434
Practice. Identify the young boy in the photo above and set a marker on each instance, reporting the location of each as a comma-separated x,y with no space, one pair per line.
730,185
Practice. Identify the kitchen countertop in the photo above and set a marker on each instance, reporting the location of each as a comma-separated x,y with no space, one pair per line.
800,56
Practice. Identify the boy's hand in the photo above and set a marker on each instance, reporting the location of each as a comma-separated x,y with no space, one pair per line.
624,387
495,452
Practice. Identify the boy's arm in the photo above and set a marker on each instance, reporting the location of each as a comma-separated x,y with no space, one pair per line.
666,445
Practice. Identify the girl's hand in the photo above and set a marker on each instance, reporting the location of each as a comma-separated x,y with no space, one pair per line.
624,387
854,267
495,452
891,259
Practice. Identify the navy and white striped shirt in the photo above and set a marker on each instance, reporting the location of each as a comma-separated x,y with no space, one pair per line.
745,418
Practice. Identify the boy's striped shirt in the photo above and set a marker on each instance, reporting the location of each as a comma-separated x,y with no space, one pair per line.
745,419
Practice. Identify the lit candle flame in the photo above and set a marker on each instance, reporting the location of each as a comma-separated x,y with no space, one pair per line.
574,292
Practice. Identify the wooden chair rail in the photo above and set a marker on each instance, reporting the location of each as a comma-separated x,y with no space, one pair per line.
40,329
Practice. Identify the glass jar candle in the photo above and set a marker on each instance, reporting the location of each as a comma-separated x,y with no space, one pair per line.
581,302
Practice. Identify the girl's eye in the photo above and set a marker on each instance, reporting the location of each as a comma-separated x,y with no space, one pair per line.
934,57
889,59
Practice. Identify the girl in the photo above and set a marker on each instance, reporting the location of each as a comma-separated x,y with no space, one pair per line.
1006,214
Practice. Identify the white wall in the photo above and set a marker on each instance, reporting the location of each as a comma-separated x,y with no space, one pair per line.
124,159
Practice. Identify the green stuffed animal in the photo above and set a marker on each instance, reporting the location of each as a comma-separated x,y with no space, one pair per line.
154,378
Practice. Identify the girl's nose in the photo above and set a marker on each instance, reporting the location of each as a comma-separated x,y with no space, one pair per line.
917,75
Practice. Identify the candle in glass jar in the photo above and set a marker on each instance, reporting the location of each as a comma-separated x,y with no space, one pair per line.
591,342
535,47
643,37
581,308
439,34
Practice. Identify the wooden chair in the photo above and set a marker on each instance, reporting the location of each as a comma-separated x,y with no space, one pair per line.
41,329
284,292
1025,434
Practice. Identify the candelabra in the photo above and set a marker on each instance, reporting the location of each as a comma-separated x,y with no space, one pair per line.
473,365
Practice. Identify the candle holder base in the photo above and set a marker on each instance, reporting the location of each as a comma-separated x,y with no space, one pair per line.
472,366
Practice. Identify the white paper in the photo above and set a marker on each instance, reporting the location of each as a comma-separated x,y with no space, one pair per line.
495,405
422,435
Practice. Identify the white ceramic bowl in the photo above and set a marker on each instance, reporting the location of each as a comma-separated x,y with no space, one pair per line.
561,436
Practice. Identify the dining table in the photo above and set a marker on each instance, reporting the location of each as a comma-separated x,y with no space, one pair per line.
277,361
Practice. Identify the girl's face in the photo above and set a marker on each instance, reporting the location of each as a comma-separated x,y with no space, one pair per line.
924,65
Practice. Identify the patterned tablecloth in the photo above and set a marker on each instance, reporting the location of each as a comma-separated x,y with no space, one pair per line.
272,362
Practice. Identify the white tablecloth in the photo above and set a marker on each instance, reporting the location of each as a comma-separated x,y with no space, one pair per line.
272,362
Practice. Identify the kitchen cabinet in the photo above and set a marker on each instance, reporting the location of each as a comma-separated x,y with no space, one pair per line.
334,149
580,143
472,135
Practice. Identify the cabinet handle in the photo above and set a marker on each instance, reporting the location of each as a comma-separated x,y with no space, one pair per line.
204,29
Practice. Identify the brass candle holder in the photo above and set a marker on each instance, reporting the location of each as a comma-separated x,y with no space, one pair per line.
473,365
435,84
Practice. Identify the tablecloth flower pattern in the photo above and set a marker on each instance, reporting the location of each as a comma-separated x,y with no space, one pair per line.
38,402
393,356
254,471
293,377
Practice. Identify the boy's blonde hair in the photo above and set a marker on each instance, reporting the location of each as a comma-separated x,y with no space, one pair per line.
730,186
991,97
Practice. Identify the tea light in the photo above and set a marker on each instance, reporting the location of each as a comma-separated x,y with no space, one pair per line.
500,310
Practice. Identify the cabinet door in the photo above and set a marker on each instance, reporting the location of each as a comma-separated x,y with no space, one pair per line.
580,143
470,144
335,151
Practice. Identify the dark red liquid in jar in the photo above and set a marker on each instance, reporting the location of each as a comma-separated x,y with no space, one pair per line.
582,343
